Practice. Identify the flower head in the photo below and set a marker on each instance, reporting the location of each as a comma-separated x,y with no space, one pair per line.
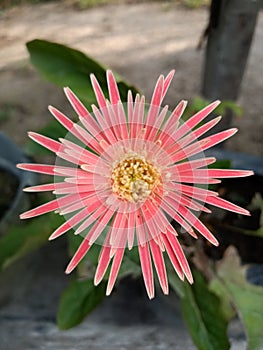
133,169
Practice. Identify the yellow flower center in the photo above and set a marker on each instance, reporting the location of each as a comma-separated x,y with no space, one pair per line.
134,178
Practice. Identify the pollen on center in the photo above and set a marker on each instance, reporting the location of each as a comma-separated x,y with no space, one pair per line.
134,178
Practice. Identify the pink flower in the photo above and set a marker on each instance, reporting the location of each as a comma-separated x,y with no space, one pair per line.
133,171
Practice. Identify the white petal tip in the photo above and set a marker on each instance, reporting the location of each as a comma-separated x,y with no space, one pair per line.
52,237
69,269
151,296
96,281
190,279
27,189
165,291
108,291
215,243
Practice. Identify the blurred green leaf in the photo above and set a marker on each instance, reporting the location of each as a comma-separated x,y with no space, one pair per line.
199,103
203,316
247,298
221,164
218,288
22,239
65,66
229,105
77,301
176,284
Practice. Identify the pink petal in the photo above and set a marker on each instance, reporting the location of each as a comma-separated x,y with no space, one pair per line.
89,140
142,232
147,271
69,158
53,205
217,138
197,224
73,188
41,188
192,165
176,153
222,203
107,135
102,223
175,245
159,265
193,191
83,153
195,134
79,255
154,216
116,263
158,92
175,215
118,236
38,168
48,143
67,123
195,179
113,88
69,224
174,198
90,122
51,169
76,104
91,199
98,92
167,82
156,100
172,121
195,120
152,132
94,213
225,173
173,257
131,229
136,124
103,263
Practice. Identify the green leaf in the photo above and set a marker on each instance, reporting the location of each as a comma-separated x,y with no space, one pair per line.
229,105
221,164
22,239
247,298
65,66
203,316
218,288
77,301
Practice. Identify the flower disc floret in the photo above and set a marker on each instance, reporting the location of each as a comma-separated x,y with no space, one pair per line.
134,178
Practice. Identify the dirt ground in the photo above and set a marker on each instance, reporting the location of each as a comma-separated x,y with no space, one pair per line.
139,41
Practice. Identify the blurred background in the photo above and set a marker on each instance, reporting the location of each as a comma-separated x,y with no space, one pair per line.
216,49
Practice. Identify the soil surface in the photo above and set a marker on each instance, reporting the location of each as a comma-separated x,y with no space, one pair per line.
139,41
